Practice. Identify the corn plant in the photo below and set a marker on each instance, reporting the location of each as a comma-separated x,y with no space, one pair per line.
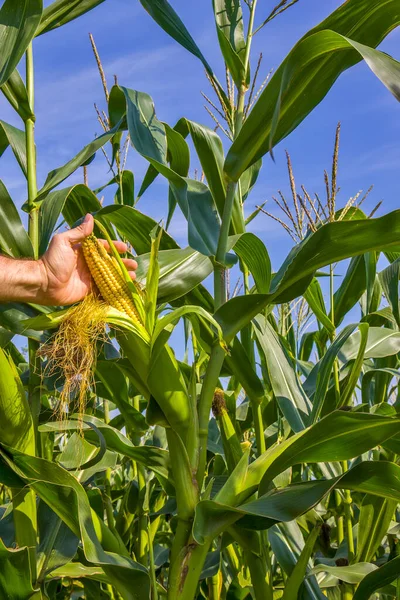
265,463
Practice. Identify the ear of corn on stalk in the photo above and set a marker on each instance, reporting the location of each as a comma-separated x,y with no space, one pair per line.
109,280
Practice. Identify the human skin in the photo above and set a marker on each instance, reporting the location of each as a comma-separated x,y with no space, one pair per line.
60,277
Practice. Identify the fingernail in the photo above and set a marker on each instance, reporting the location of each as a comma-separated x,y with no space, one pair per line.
87,217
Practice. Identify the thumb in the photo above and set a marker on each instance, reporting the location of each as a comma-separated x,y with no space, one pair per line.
78,234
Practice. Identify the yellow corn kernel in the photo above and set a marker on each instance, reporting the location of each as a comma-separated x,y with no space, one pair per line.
108,277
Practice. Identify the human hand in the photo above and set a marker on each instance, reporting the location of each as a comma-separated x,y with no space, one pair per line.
65,276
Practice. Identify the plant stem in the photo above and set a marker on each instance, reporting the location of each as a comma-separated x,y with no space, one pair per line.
33,226
24,501
143,535
25,523
220,279
206,397
179,543
107,479
348,519
192,559
259,428
259,576
347,592
143,524
153,578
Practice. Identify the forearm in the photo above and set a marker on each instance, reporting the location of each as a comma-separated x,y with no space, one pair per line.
21,280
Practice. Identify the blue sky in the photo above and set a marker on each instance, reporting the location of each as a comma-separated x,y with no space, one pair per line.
132,46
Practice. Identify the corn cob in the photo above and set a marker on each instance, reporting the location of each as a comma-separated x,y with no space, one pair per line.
108,277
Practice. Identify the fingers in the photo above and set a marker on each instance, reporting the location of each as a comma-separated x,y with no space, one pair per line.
78,234
120,246
130,264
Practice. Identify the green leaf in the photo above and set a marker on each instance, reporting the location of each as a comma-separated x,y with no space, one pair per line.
287,504
146,131
331,243
61,12
351,289
155,459
297,86
358,432
67,498
15,573
18,23
378,579
248,181
148,136
172,318
62,200
57,176
15,414
289,394
76,570
352,378
11,136
287,543
367,378
389,280
324,370
350,574
14,240
229,22
126,188
381,342
315,300
57,544
210,151
178,156
153,276
181,270
254,254
297,576
13,317
165,16
135,227
375,516
15,91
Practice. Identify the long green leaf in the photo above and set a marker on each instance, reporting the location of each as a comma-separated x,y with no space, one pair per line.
15,576
61,12
375,516
229,22
15,91
57,176
11,136
378,579
324,370
181,270
255,255
67,498
331,243
286,386
298,85
165,16
286,504
19,20
14,239
296,579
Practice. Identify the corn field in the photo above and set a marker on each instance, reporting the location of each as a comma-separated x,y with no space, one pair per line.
265,463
